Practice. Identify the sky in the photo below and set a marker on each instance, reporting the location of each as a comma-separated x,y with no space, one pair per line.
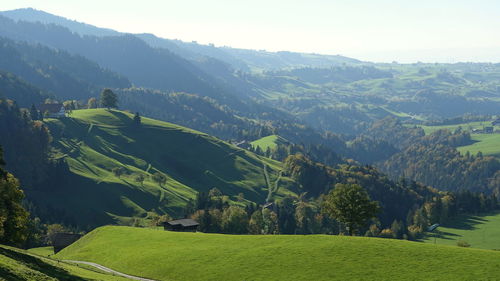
381,30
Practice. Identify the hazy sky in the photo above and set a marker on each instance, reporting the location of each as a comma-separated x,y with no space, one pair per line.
380,30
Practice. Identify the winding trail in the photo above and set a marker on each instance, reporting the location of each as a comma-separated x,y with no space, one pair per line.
109,270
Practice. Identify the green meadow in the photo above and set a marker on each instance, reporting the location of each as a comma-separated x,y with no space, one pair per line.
488,144
465,126
479,231
166,255
269,142
94,141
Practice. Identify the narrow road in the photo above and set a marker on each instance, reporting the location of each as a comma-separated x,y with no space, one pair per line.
105,269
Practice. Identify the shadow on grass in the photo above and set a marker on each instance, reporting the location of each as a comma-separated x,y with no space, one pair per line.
7,275
37,265
466,222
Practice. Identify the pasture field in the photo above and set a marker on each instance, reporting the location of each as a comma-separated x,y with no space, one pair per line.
465,126
268,142
179,256
93,142
488,144
482,231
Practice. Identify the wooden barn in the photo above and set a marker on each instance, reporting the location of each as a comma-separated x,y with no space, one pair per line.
181,225
62,240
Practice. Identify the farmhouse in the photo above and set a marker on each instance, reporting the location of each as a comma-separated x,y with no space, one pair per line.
488,130
52,110
62,240
496,122
181,225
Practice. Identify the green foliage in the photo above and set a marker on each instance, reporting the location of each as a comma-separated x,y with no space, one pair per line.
242,257
159,178
13,216
462,243
350,205
234,220
108,99
137,119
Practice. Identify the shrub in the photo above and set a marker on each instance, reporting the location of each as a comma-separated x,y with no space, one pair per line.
462,243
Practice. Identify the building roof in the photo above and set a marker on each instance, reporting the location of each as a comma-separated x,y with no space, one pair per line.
50,107
63,239
183,222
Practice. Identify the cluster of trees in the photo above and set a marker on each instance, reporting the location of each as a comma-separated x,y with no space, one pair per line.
289,215
434,160
26,142
13,217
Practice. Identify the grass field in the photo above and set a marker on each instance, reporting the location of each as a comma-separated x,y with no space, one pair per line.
479,231
465,126
269,142
488,144
95,141
197,256
17,265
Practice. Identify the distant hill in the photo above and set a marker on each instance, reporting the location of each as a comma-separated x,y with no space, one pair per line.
57,72
197,256
93,142
14,88
32,15
242,59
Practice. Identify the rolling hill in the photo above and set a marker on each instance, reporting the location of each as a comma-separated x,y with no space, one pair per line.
242,59
196,256
92,142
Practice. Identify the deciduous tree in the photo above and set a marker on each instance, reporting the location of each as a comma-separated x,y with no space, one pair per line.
350,205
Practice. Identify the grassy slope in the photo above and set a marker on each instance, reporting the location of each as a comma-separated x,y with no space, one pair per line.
479,231
465,126
196,256
488,144
95,141
16,264
270,141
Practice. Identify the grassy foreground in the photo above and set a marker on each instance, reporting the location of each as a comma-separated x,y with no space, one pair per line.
16,264
479,231
196,256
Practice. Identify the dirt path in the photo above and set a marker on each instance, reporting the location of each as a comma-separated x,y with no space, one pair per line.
105,269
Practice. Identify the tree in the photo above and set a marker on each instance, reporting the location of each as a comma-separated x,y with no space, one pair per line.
137,119
13,217
52,230
350,205
139,178
118,171
34,113
108,99
235,220
159,178
92,103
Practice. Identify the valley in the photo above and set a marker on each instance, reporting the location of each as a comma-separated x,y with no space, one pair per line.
132,151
